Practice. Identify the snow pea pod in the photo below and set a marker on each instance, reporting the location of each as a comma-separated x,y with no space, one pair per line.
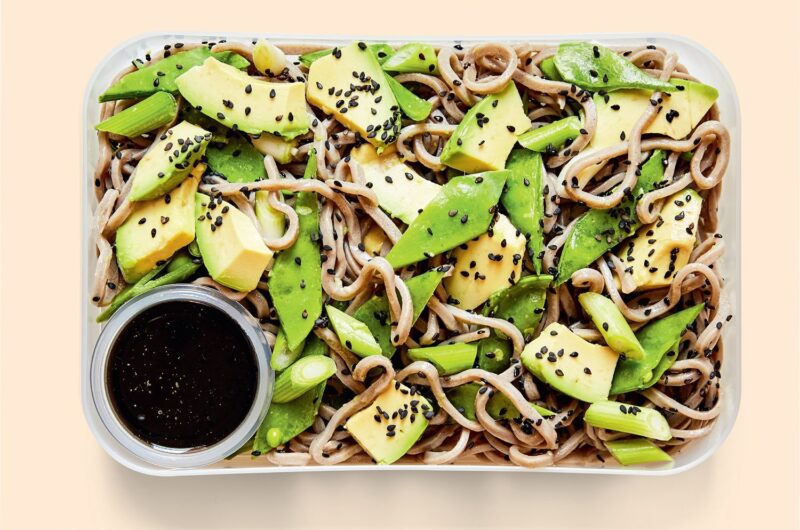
524,201
548,68
412,105
413,58
597,231
295,282
461,210
160,76
594,67
284,421
382,52
375,311
522,304
657,338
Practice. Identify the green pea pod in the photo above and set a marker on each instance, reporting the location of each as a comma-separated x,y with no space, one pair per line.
282,357
160,76
598,231
657,338
354,334
548,68
552,136
522,304
663,365
177,270
494,354
612,325
382,53
524,201
295,282
194,249
375,311
413,58
237,160
461,210
499,406
593,67
284,421
412,105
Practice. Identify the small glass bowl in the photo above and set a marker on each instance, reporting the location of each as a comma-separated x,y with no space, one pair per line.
170,457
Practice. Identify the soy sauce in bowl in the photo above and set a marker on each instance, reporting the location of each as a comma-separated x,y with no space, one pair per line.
181,375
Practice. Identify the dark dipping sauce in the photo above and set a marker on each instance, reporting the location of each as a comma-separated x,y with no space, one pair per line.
182,375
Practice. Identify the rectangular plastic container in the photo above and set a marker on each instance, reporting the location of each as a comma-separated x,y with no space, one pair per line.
700,63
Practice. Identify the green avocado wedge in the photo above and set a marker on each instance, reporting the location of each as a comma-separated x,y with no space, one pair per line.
411,105
612,325
522,304
598,231
548,68
375,311
462,210
657,338
524,201
295,282
237,160
160,76
594,67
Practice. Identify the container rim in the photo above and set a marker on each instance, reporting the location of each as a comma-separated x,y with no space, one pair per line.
732,118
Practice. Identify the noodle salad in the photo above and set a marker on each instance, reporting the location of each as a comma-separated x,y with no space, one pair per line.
498,253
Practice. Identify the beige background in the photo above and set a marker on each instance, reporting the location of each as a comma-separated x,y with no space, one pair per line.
54,475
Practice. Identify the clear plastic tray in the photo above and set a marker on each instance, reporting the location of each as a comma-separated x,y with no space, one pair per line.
696,58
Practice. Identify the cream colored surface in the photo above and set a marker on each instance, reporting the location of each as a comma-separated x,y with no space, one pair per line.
54,475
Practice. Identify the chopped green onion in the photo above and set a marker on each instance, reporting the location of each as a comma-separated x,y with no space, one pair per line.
448,358
637,451
612,325
151,113
282,356
302,376
551,136
631,419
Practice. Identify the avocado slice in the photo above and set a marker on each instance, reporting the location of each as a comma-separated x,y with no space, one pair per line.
413,57
156,229
244,103
350,84
392,424
381,51
272,222
661,249
487,133
168,161
352,333
232,249
237,160
401,191
570,364
161,75
618,112
461,210
280,149
375,311
486,265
